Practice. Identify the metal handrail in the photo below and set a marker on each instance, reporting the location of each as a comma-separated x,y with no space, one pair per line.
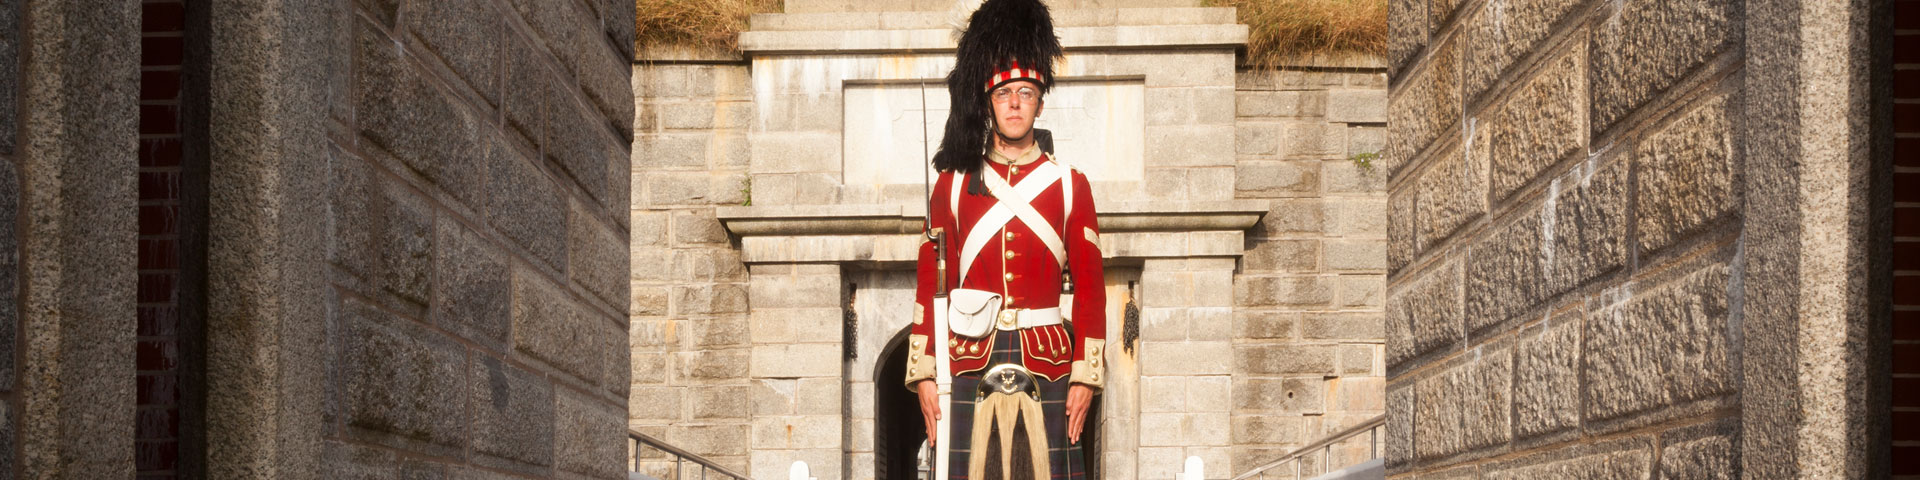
1325,446
680,457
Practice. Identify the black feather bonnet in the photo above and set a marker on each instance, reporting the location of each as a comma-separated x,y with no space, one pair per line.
999,35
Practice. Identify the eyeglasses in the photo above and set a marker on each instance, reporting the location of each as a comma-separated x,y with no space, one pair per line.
1026,94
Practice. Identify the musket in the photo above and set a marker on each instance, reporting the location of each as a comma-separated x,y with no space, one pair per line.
943,372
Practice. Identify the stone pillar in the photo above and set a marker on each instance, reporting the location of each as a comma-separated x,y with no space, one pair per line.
266,288
797,369
1815,384
74,174
1186,360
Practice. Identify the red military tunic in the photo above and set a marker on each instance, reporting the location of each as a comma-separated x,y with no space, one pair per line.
1017,264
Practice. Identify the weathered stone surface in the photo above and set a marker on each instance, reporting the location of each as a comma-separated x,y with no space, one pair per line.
1313,140
1629,351
1589,227
465,34
1263,104
1398,445
597,258
535,215
549,327
1357,105
720,402
1359,291
712,440
528,85
1486,403
652,404
581,148
9,254
401,112
1361,255
1499,32
1406,30
1707,452
1649,45
1429,310
1452,193
9,80
1503,272
1264,325
403,382
1546,367
404,245
1256,138
513,416
596,67
1350,176
713,299
1294,216
1280,395
1540,123
1342,326
1402,225
1427,106
1356,217
1282,359
1292,291
1269,429
1685,175
589,437
472,291
1437,414
350,215
1282,255
711,365
1276,179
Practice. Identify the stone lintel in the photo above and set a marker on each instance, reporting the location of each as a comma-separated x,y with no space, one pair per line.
803,220
941,40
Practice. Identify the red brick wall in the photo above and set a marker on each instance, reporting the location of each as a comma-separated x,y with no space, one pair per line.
157,415
1906,239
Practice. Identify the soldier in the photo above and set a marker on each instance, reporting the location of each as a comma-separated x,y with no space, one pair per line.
1016,230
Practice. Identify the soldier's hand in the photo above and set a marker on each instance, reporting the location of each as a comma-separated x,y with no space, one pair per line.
1079,397
929,407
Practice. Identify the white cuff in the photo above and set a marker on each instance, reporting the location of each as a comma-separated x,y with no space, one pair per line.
919,364
1091,370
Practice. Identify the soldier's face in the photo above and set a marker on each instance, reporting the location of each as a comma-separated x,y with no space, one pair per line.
1015,106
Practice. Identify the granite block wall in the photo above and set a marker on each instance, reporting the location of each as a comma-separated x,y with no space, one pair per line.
1593,224
1307,316
420,226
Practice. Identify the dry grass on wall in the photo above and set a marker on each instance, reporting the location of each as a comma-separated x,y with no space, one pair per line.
699,23
1283,29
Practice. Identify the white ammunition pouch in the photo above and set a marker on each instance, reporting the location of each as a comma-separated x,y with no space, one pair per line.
971,313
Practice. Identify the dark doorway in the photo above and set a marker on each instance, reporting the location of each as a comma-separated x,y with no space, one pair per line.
899,431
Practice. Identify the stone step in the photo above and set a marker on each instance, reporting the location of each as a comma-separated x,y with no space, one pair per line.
943,19
832,6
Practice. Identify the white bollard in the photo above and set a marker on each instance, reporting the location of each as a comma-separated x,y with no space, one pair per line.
1196,469
799,472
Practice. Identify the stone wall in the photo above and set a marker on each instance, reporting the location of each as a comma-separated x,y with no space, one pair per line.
1601,216
1306,326
419,218
690,331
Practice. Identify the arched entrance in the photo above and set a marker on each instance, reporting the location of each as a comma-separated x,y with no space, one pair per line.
899,432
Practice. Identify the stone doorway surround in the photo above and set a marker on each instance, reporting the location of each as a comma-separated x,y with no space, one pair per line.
834,229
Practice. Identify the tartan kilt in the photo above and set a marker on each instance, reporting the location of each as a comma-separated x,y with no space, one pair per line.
1066,461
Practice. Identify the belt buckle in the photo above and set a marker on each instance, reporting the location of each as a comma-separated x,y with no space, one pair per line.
1008,320
1008,379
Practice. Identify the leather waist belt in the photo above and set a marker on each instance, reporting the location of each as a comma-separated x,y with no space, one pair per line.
1008,379
1018,318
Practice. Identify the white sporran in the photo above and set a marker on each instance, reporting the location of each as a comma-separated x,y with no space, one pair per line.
971,313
